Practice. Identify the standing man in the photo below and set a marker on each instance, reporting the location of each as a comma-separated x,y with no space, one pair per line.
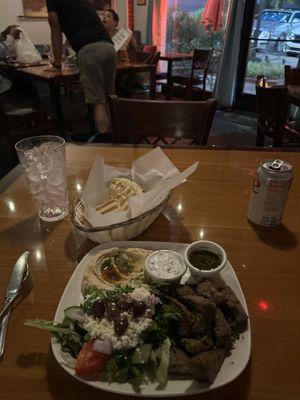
97,58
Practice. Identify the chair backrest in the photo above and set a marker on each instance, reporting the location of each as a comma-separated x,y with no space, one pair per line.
138,120
145,58
201,60
291,75
8,156
272,105
149,49
137,37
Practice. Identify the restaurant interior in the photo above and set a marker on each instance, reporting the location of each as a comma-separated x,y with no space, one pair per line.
148,199
166,34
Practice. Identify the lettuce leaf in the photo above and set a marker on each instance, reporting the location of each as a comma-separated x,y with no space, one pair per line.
70,340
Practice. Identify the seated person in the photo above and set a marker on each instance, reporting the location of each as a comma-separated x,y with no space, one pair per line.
7,41
16,88
7,50
127,81
110,20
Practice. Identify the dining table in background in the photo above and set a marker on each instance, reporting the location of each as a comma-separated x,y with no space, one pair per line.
212,205
55,79
170,58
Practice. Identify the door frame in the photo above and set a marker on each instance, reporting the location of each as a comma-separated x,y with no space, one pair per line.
245,101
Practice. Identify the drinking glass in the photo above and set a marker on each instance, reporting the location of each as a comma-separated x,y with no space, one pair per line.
43,159
47,50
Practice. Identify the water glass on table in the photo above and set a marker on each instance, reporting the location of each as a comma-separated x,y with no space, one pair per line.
43,159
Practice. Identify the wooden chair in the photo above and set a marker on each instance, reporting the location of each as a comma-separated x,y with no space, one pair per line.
161,122
149,48
135,84
137,37
292,78
272,105
150,57
8,156
197,75
24,118
291,75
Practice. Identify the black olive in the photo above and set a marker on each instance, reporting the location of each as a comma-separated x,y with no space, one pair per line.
125,303
138,309
112,312
121,325
98,308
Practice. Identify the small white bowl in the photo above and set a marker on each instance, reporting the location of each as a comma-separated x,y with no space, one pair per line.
160,257
209,246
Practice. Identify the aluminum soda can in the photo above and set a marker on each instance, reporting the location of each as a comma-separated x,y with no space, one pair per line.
269,192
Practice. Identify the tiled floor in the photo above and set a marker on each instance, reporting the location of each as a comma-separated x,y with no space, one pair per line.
233,129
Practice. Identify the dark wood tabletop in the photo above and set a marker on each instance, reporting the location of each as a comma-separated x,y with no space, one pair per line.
48,74
173,56
212,205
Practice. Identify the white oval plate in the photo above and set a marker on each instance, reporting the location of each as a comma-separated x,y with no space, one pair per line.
231,368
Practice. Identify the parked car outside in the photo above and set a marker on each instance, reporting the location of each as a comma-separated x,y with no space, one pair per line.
292,46
275,27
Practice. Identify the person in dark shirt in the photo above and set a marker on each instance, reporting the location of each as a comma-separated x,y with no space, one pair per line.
97,58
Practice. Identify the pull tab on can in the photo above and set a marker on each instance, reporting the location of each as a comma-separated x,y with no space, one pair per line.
276,165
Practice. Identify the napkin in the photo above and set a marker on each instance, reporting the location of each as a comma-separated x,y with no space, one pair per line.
154,172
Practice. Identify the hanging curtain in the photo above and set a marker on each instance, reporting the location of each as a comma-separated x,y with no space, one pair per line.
130,16
149,23
173,25
227,76
159,24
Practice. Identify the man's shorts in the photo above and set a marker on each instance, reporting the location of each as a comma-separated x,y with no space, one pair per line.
97,66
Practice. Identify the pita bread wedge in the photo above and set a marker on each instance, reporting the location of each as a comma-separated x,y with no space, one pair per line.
114,266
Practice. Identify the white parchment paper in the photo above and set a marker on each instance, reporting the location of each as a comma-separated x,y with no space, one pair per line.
154,172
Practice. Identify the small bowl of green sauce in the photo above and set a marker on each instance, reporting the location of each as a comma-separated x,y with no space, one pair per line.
205,258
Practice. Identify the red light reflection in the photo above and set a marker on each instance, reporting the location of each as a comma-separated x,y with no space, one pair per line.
263,305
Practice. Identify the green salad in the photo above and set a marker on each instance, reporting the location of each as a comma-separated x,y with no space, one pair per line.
124,335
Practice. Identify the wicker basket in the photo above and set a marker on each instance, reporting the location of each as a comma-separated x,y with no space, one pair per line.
123,231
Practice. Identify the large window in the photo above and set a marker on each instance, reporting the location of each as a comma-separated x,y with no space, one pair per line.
185,32
275,41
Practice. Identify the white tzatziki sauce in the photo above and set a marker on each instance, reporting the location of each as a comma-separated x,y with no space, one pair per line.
165,264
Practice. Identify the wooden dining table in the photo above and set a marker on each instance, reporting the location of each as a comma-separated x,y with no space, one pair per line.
211,205
170,58
55,78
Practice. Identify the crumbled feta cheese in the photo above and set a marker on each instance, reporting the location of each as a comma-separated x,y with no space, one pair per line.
104,330
140,294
